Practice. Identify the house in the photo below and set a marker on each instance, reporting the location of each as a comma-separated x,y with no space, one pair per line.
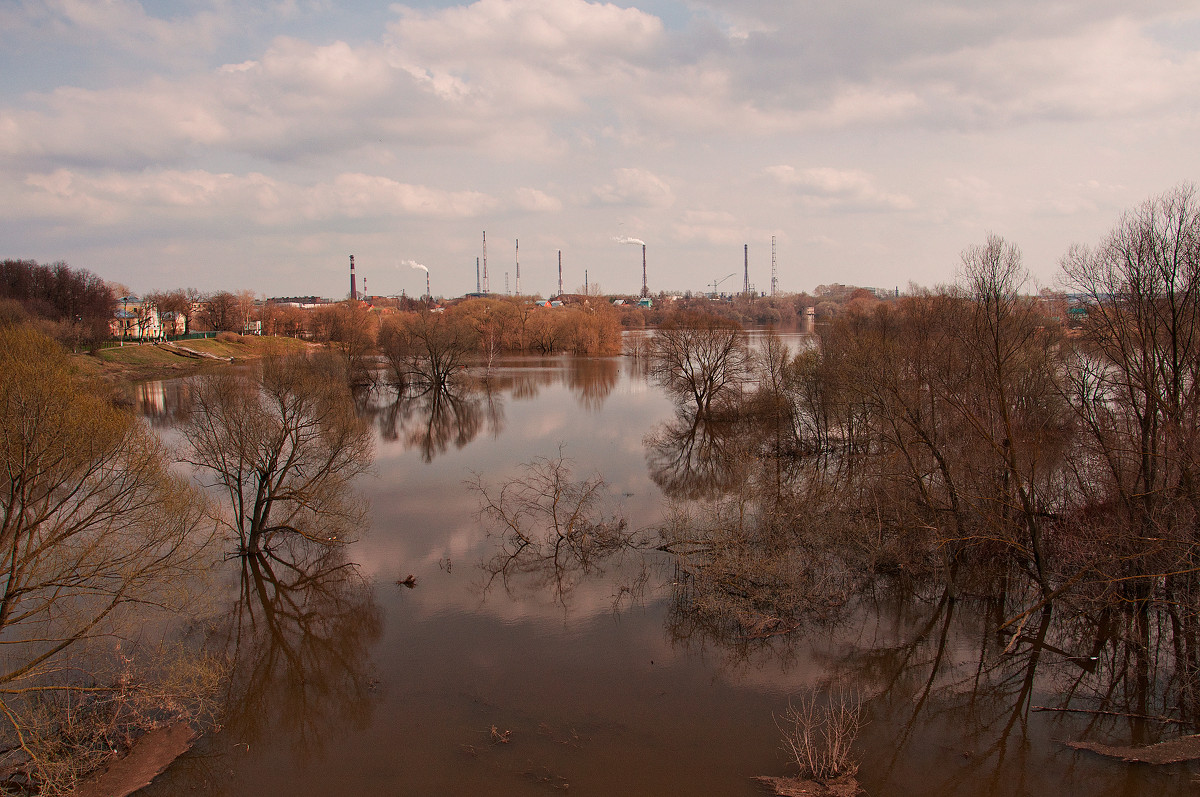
136,319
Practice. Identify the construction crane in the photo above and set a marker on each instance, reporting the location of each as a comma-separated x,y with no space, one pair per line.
715,283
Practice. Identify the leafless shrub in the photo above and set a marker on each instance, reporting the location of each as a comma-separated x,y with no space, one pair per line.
818,735
550,525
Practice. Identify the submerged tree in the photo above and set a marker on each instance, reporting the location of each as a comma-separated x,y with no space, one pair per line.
1135,386
427,349
701,358
551,526
283,446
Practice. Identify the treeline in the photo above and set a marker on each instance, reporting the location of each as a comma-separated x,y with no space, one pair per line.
965,428
784,311
72,305
430,346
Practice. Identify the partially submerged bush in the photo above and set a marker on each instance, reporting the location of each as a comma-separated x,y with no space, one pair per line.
818,735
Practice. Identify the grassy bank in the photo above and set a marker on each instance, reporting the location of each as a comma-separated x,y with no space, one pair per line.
136,362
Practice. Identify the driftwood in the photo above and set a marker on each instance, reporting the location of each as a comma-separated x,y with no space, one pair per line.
1148,717
844,786
151,754
1172,751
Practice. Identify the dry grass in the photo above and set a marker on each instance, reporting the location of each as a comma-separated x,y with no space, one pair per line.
147,361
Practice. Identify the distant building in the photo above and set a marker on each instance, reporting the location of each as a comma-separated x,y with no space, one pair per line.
137,319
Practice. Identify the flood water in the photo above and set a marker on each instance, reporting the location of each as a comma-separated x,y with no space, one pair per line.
596,683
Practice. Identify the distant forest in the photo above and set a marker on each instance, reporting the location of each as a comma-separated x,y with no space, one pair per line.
72,303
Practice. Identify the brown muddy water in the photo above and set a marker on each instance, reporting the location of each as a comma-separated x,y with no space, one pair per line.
347,683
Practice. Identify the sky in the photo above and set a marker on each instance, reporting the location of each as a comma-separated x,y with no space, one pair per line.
257,144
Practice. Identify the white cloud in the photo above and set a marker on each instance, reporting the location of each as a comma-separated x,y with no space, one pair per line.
1110,69
847,189
122,24
535,201
716,228
636,188
114,198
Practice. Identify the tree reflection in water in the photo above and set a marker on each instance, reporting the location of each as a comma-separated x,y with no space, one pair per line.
1120,676
432,419
781,553
590,380
695,456
298,641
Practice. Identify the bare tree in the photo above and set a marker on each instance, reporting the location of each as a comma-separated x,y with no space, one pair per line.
701,358
221,312
1135,383
96,531
429,349
352,329
550,525
283,446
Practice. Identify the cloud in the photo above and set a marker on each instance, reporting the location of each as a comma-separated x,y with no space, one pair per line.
120,24
636,188
1106,70
535,201
717,228
233,199
846,189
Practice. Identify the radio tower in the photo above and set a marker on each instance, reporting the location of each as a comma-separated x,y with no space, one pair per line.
353,289
774,275
486,288
477,276
746,278
560,272
645,291
518,261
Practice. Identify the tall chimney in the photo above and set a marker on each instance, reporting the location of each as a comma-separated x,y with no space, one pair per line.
645,290
486,288
518,261
746,278
560,272
477,275
774,276
353,289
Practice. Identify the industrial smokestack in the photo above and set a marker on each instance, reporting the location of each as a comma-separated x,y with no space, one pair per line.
560,272
746,278
518,261
428,292
645,290
774,274
353,288
486,289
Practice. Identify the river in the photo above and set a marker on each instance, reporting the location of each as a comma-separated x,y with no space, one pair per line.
595,682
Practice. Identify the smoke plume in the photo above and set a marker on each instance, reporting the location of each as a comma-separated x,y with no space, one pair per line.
637,241
415,264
